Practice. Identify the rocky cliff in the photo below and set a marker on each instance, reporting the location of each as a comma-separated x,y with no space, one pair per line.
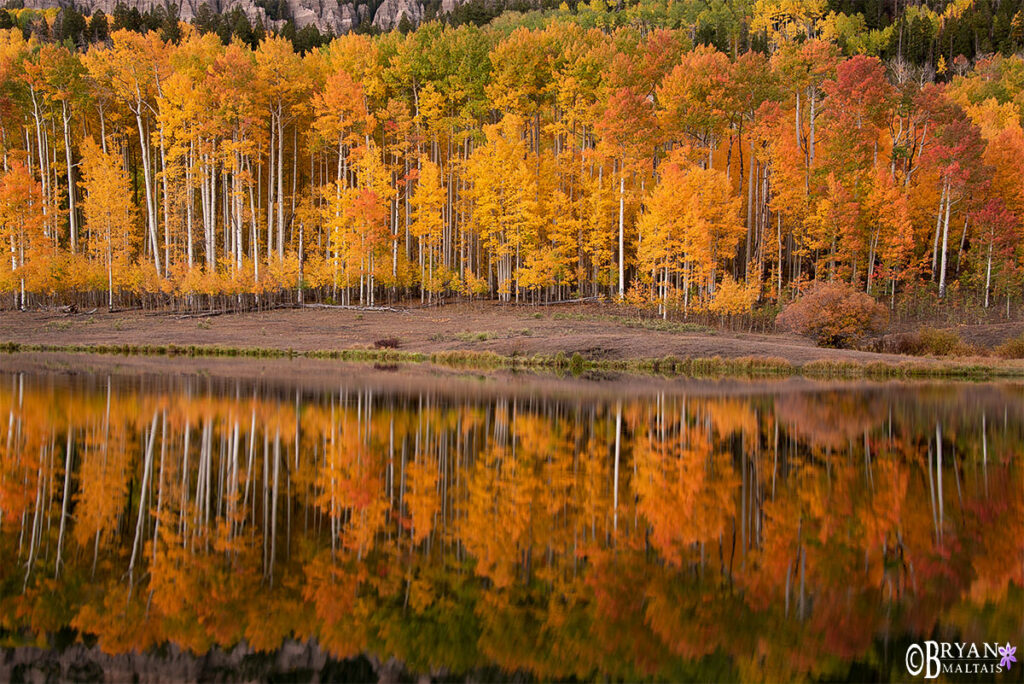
329,16
391,12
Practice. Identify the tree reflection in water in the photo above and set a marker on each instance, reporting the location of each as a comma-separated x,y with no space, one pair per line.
668,536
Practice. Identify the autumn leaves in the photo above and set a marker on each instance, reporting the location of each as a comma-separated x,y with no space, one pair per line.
507,530
536,165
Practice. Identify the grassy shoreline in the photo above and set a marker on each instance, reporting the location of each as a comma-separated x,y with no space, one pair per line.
576,364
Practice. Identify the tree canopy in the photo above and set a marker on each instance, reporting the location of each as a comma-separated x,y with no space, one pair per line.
575,158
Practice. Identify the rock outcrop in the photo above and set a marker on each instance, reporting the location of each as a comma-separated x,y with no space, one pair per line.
328,16
391,12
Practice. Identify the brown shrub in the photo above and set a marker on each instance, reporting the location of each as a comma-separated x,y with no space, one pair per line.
834,315
944,343
1012,348
897,343
926,342
908,343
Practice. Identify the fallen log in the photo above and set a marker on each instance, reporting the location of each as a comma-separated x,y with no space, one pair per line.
347,307
200,314
581,300
73,311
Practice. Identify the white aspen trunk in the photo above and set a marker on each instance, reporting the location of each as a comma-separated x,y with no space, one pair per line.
166,201
44,177
302,259
254,248
273,504
110,278
750,208
945,240
64,503
280,183
988,272
810,127
236,213
103,129
189,199
938,230
779,221
72,212
183,504
295,169
147,173
160,485
270,185
938,477
212,194
615,482
147,466
394,227
871,259
622,249
35,523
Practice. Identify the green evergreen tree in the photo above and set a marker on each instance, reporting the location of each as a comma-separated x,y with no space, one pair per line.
98,27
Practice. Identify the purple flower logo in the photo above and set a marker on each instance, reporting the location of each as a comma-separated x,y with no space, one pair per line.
1007,653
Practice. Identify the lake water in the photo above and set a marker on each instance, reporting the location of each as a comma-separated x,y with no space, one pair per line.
377,525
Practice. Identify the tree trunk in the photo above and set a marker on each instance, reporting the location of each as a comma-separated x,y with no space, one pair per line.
622,250
988,272
72,212
280,184
147,173
945,243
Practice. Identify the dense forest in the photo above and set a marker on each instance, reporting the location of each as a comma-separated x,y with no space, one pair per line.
677,538
717,165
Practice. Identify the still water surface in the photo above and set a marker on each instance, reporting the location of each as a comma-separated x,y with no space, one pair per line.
675,532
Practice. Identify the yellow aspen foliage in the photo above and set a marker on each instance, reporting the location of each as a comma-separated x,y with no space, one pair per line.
109,212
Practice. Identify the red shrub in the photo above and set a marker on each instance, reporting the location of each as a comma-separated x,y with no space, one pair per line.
834,315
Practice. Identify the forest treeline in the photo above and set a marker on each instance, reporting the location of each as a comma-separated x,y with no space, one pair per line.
527,164
670,538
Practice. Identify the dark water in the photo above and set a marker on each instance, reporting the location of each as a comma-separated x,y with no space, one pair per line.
192,527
